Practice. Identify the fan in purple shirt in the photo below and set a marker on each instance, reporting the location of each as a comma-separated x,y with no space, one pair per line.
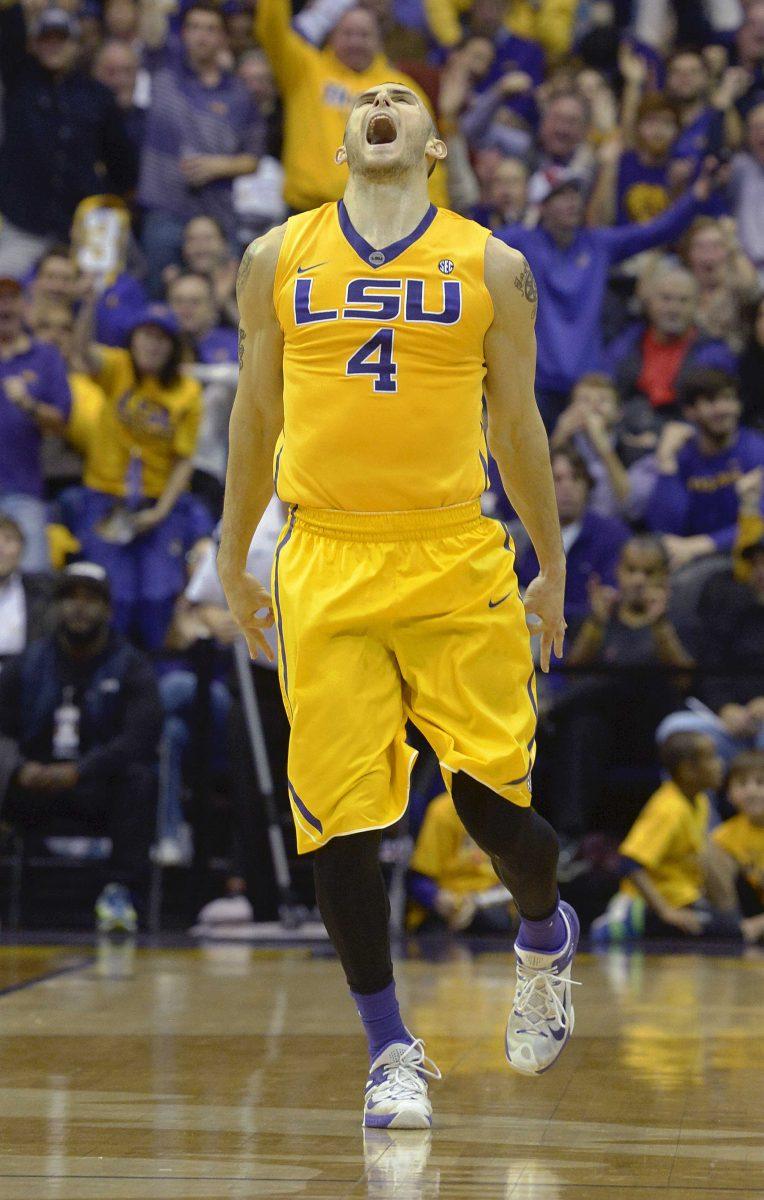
642,181
695,502
571,264
34,399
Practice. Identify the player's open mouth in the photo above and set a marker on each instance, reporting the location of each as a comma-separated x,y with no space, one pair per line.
381,130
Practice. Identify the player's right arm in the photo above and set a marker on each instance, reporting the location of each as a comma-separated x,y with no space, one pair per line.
257,419
517,436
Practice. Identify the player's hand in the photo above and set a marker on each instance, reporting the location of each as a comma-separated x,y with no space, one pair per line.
684,919
545,599
252,611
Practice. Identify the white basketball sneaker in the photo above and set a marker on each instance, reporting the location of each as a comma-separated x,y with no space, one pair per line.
542,1016
396,1090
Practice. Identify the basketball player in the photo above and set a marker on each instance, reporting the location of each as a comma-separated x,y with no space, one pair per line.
369,330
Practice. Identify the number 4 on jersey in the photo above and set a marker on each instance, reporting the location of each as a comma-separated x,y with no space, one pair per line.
375,357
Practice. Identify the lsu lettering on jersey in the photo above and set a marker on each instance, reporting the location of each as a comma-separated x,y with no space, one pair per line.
383,364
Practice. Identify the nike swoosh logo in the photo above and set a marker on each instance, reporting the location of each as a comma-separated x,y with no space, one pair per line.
558,1034
496,603
302,270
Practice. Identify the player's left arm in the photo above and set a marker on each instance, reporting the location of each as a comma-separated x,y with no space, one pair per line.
517,436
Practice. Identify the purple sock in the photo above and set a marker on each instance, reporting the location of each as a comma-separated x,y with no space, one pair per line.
381,1019
545,935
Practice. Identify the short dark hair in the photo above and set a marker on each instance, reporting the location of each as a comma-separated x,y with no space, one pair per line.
750,762
576,462
679,748
9,525
205,6
704,383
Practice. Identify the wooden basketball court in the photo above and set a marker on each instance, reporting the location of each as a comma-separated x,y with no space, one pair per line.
238,1072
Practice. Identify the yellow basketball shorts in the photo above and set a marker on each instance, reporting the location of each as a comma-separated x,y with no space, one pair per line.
389,616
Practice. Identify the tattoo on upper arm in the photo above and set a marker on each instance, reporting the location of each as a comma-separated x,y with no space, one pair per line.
244,269
242,339
525,283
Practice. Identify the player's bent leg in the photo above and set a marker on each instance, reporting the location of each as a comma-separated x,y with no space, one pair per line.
353,902
524,849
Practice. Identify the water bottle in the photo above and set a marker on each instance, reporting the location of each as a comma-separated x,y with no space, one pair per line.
66,728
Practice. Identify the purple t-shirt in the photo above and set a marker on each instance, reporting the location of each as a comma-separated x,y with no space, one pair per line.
642,190
188,118
43,370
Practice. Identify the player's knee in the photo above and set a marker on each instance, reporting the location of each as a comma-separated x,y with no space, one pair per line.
497,825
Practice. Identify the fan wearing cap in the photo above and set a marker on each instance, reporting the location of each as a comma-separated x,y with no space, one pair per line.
80,720
65,137
571,264
34,399
143,447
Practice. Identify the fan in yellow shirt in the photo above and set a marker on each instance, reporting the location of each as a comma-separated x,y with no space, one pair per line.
319,88
740,840
145,436
133,515
452,878
668,871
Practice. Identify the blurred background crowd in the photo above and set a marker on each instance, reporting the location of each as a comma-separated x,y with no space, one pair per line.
620,146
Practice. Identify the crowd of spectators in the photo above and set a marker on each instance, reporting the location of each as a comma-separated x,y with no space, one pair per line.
618,144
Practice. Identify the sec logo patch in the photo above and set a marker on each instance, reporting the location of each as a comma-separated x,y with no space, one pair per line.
445,266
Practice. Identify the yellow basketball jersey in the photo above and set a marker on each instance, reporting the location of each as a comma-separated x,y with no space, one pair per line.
383,364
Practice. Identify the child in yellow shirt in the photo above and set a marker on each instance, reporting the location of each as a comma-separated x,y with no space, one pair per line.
740,841
451,880
668,875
